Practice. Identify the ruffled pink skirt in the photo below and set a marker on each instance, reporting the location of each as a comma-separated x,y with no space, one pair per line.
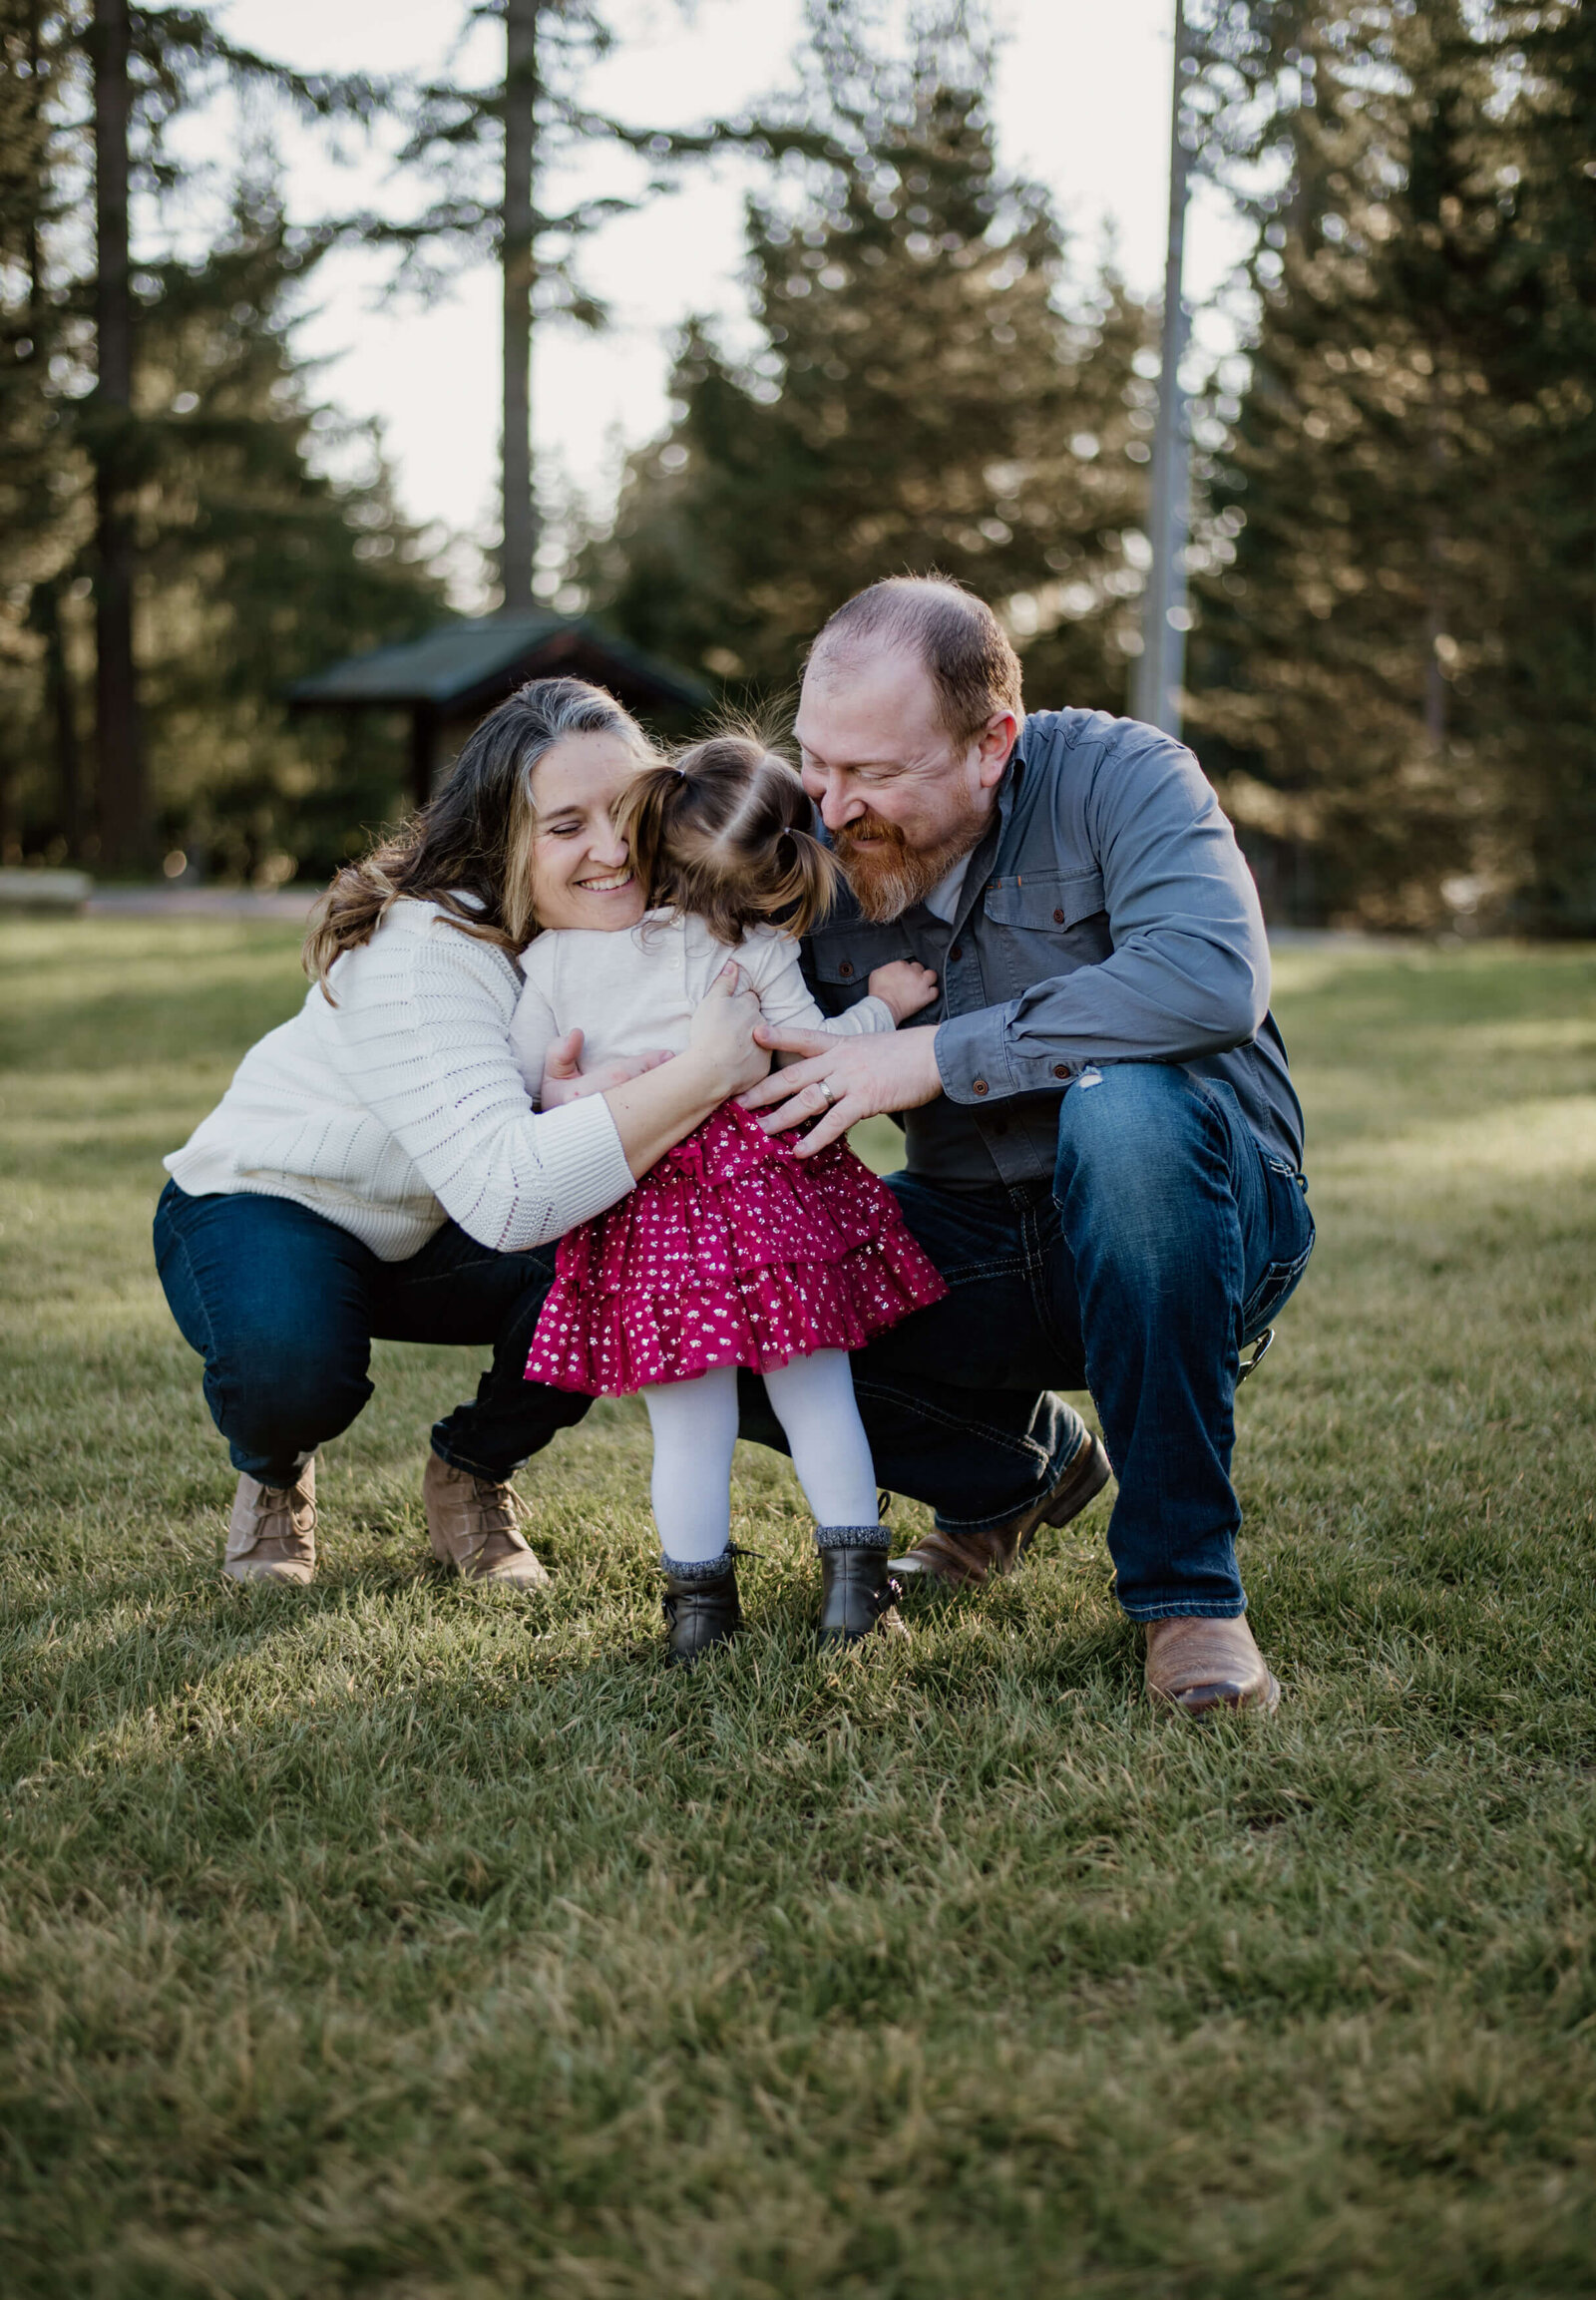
732,1251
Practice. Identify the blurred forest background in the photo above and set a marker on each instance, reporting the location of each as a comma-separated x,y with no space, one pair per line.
1392,665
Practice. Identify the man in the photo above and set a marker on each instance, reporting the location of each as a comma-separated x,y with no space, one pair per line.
1103,1146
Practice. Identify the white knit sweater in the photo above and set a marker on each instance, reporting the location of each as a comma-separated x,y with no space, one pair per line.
402,1105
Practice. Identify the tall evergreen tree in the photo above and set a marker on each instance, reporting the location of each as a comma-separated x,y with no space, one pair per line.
922,399
109,432
250,563
40,477
492,149
1397,667
486,146
93,86
1540,684
258,567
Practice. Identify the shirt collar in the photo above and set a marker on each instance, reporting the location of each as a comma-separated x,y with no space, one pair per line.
1015,767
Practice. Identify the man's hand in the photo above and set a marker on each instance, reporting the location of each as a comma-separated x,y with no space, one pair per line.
904,987
842,1081
563,1080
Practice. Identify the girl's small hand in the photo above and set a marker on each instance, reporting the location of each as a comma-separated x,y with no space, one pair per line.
565,1081
721,1033
904,987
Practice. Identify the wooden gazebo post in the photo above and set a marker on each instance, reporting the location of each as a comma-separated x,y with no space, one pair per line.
423,750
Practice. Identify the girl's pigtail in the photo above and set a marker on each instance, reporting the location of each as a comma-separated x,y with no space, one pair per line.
644,818
807,887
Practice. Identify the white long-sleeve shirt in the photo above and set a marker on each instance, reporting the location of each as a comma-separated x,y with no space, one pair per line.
634,991
403,1104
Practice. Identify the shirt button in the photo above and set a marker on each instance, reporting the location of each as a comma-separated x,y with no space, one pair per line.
957,952
846,969
1060,1070
980,1086
1058,917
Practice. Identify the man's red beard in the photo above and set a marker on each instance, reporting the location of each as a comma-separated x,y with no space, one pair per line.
886,875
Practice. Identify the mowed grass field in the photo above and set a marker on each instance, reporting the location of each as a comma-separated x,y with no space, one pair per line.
393,1939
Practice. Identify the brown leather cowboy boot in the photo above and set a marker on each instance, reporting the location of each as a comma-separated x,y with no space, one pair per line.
964,1560
471,1523
272,1534
1200,1664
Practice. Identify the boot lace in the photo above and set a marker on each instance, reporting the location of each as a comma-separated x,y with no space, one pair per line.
275,1520
498,1510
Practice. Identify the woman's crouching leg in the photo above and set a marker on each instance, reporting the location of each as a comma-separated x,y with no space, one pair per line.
277,1303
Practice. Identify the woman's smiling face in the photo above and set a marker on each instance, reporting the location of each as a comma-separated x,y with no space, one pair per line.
581,874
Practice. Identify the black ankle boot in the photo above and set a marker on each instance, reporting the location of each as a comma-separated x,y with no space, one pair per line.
857,1594
700,1613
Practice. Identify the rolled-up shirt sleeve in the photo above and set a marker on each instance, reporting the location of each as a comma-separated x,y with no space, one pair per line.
1189,971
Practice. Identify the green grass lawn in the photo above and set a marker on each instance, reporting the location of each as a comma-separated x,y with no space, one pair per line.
392,1939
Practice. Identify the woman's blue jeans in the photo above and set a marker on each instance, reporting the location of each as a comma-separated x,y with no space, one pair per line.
284,1306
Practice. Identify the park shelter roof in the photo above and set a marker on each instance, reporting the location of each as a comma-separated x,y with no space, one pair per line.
473,662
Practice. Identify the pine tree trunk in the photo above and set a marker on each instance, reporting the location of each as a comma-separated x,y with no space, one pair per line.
64,718
519,547
46,613
123,805
1435,572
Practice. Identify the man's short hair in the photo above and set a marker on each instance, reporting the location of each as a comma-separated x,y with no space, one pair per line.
960,642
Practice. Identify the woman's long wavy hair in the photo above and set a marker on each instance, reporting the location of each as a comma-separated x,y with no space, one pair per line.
475,839
722,831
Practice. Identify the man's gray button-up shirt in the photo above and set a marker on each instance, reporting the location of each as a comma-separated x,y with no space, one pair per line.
1107,916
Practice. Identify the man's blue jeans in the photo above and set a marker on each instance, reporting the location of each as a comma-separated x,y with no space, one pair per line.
283,1306
1169,1240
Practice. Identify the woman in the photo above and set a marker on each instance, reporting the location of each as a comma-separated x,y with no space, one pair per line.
376,1171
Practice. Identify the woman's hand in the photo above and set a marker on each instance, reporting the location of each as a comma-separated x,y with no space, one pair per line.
653,1114
563,1080
721,1035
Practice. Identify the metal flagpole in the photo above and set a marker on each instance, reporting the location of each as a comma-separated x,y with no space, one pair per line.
1162,666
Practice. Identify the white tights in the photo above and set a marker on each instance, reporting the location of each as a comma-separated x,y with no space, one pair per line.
695,1428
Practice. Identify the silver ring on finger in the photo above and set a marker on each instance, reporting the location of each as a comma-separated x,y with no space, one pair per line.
831,1092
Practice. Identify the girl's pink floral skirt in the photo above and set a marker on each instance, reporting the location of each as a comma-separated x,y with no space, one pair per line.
732,1250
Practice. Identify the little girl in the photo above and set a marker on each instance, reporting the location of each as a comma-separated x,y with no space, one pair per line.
732,1251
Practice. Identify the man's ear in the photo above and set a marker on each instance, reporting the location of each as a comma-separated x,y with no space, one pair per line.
993,746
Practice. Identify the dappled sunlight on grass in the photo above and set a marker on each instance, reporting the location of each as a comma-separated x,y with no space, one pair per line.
1524,1142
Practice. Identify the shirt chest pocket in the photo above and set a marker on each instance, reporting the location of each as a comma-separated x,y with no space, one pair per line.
1045,923
840,966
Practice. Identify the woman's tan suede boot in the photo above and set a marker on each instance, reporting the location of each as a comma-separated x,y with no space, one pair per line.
272,1534
471,1523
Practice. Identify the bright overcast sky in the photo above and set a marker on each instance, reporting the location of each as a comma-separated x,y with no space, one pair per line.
1081,102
